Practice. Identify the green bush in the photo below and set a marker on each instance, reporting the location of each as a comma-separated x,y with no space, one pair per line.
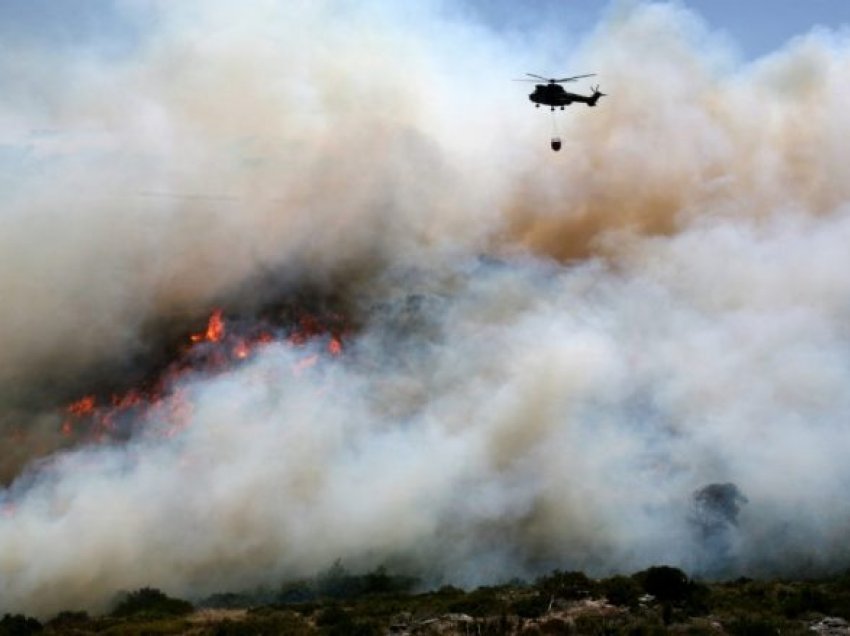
698,600
274,623
805,600
143,627
485,601
67,621
355,628
296,592
621,590
19,625
753,626
555,626
337,583
228,627
665,583
151,602
530,606
336,621
332,615
591,625
228,600
566,585
839,605
637,626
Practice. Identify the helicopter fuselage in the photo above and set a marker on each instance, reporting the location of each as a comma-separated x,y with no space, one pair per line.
554,95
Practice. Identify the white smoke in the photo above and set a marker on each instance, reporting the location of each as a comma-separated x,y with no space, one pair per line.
663,304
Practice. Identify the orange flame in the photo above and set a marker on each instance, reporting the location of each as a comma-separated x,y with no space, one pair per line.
335,346
76,410
215,329
83,406
164,401
242,350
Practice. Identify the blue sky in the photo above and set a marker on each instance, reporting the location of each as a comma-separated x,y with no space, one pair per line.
756,27
761,26
101,24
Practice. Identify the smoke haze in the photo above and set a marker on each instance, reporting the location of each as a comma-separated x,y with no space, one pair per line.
553,353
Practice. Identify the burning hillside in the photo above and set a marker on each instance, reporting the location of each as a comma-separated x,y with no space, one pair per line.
220,348
587,360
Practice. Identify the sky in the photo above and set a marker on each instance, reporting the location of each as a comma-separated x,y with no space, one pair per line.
755,27
764,25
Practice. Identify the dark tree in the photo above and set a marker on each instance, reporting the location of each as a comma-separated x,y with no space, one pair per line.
621,590
152,602
714,517
716,506
19,625
665,583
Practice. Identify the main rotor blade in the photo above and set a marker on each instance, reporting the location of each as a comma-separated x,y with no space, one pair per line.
538,77
522,79
573,78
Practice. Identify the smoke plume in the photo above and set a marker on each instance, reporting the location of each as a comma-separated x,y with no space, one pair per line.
553,352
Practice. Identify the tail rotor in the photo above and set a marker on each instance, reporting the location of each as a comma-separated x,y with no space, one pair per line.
596,95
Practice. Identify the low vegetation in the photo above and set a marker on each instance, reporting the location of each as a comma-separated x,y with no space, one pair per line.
656,601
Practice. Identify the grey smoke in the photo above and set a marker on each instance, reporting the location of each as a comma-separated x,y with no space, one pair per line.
663,304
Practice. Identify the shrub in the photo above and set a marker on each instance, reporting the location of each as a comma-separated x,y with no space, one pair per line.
555,626
67,621
531,606
665,583
381,582
332,615
355,628
806,600
228,600
590,625
296,592
18,625
485,601
566,585
752,626
276,623
643,627
151,602
335,621
337,583
228,627
621,590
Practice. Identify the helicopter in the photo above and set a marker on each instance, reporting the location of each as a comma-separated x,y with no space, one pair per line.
552,94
